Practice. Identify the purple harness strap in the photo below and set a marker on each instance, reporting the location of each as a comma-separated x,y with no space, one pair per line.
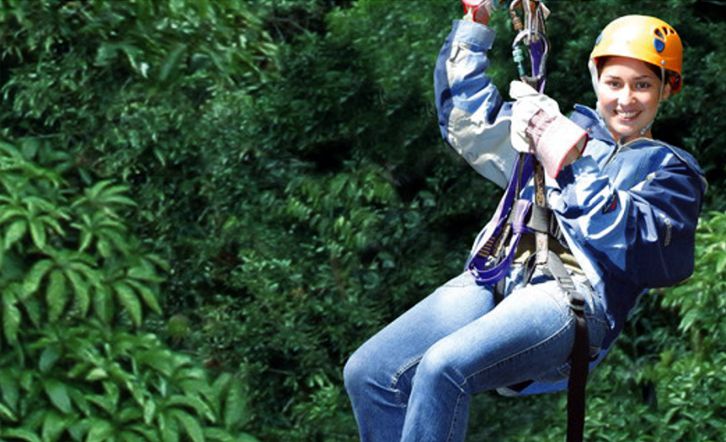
493,261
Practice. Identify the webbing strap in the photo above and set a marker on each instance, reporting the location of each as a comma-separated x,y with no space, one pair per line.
580,356
577,383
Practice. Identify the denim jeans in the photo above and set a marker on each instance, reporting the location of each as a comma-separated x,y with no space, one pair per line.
413,380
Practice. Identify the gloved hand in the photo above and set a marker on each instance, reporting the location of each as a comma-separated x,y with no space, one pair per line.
539,127
479,10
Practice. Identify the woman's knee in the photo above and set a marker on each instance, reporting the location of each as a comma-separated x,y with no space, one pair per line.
438,368
355,372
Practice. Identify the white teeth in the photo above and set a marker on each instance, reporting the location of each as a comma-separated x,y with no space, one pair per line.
628,114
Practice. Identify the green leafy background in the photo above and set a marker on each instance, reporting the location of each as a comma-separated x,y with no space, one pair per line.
206,206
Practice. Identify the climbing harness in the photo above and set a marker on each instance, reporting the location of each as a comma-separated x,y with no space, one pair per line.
516,217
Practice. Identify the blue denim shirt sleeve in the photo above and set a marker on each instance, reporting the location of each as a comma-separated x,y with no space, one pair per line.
642,232
473,118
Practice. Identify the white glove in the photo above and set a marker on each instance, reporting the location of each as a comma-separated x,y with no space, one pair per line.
538,127
528,102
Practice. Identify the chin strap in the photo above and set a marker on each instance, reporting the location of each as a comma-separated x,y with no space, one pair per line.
660,99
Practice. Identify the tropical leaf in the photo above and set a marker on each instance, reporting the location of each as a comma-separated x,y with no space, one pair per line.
117,238
35,275
144,271
9,150
53,224
10,316
33,203
9,388
129,413
15,232
216,434
128,299
235,406
78,397
81,297
104,248
147,294
97,374
54,425
105,403
20,434
56,294
103,303
37,233
6,414
192,402
101,431
104,194
32,307
149,411
8,213
189,423
85,239
48,357
168,427
57,392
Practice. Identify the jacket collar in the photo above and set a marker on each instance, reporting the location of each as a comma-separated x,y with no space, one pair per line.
590,121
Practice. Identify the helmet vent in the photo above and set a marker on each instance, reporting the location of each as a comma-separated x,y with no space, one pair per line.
664,31
658,44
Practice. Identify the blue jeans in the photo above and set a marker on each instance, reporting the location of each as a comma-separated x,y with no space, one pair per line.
414,379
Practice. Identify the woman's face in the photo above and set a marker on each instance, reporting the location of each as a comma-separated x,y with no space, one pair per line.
628,95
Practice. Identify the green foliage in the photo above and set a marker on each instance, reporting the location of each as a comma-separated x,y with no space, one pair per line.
699,302
56,262
116,79
285,162
75,288
94,383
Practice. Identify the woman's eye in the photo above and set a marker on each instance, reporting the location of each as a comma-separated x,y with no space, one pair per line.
643,85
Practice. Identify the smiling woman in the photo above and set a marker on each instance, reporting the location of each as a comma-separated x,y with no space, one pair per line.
622,217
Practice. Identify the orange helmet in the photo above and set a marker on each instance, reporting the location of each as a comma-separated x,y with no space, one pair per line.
644,38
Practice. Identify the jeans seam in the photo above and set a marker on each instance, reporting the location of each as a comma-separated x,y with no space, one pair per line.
397,375
455,414
568,324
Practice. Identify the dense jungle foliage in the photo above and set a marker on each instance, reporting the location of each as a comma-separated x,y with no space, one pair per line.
206,206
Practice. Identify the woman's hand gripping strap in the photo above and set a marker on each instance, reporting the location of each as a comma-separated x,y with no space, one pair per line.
538,127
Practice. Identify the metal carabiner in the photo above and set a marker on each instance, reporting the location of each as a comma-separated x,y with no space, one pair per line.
533,37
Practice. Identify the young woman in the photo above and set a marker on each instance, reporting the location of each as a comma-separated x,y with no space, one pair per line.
627,206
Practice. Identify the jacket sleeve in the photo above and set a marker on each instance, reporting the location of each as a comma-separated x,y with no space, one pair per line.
644,234
472,116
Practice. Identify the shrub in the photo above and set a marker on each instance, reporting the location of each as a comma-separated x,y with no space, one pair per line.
76,285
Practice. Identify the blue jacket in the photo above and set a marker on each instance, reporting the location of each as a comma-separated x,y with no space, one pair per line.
628,212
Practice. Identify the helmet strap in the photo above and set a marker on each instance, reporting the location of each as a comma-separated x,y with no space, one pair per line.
660,99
